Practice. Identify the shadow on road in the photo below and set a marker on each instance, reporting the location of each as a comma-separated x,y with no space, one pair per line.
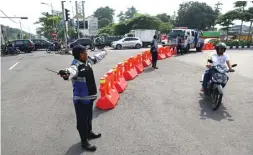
207,112
97,112
148,69
75,149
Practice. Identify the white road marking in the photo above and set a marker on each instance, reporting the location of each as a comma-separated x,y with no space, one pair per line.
13,66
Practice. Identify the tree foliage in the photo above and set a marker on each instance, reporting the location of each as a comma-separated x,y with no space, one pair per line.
164,17
104,15
48,23
129,14
138,21
196,15
226,20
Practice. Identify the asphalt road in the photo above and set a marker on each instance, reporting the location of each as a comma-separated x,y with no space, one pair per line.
161,112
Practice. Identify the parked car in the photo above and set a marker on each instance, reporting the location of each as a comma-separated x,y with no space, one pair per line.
128,42
24,45
82,41
41,44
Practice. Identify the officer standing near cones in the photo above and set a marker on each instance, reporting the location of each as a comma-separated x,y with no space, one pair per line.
84,91
154,51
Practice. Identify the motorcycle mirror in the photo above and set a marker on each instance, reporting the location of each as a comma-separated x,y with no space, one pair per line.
210,61
234,65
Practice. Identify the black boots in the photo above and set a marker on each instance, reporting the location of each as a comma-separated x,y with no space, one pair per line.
92,135
86,145
154,67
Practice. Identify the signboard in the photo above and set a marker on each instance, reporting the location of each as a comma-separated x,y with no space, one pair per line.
93,25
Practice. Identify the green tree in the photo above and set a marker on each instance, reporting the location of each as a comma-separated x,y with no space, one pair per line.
240,5
129,14
144,22
226,20
164,17
196,15
109,29
72,33
19,35
165,27
249,17
104,15
49,23
25,36
121,28
121,16
139,21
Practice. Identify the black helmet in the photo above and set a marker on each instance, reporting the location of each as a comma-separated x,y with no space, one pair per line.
221,45
155,36
77,50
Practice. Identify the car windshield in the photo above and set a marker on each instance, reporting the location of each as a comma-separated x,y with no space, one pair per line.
175,33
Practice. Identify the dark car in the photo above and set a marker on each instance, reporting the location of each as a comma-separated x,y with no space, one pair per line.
82,41
24,45
41,44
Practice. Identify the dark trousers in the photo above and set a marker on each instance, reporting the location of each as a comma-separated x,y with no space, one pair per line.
179,49
154,58
207,77
84,119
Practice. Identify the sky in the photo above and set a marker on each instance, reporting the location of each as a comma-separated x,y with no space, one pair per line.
33,9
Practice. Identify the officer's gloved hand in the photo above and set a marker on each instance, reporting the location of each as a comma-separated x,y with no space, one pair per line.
64,74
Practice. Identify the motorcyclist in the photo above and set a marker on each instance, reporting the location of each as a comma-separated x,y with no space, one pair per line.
97,41
11,47
179,47
219,58
56,44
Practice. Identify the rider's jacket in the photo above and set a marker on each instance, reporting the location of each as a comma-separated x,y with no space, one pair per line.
82,77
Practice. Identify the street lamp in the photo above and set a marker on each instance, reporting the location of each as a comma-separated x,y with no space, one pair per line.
52,12
51,5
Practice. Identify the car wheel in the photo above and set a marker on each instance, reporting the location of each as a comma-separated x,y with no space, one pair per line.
118,47
137,46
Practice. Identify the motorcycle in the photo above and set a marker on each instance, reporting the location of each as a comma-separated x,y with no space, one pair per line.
90,47
100,47
215,85
4,50
53,47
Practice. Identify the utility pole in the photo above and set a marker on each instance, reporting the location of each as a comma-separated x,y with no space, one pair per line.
83,14
21,31
217,6
77,21
64,25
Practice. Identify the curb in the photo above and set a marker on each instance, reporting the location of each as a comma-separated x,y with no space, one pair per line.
234,48
239,47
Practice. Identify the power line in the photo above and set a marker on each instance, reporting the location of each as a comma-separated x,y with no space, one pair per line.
9,18
13,20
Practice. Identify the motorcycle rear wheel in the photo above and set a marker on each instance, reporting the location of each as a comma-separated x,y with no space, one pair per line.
216,99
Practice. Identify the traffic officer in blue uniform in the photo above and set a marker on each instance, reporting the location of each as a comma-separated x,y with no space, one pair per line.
154,52
84,92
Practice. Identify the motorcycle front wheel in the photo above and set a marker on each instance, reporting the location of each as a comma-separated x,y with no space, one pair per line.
216,99
92,48
49,49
